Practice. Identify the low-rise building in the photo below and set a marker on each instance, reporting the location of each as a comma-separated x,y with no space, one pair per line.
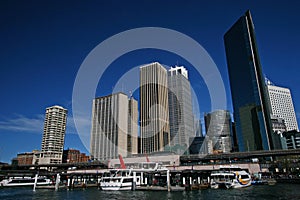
74,156
25,158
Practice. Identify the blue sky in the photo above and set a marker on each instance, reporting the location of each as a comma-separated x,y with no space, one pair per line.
43,44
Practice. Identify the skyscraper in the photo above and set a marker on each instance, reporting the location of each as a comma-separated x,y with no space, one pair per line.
249,95
180,107
110,132
218,129
54,135
154,110
132,135
282,105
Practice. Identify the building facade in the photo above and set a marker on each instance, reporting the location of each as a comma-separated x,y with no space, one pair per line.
292,139
109,132
132,136
54,135
278,124
154,109
218,130
25,158
74,156
198,127
180,107
279,127
282,105
196,144
249,95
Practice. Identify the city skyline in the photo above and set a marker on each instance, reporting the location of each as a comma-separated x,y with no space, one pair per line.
43,43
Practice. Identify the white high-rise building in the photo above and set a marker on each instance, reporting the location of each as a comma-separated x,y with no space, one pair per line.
114,127
282,105
180,107
54,135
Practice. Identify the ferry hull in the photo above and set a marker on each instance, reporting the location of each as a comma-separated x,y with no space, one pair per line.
6,183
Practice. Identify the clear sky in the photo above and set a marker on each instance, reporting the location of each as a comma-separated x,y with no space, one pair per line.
43,44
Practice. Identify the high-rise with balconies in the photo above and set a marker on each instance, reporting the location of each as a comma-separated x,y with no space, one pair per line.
54,135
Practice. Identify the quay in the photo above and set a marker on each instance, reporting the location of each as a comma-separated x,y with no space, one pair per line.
174,178
187,172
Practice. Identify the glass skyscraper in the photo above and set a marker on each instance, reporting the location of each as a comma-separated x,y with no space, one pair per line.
249,95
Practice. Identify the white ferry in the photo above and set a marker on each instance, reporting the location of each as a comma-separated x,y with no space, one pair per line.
230,177
121,179
126,179
24,181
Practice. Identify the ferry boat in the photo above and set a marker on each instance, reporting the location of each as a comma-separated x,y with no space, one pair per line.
128,178
230,177
24,181
121,179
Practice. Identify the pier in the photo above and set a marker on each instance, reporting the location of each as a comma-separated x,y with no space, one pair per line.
189,172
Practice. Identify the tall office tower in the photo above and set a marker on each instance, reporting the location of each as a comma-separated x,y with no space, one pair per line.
282,105
132,136
180,107
154,110
218,129
110,120
54,135
249,95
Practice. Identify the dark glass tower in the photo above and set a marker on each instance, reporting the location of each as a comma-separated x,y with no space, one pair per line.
249,95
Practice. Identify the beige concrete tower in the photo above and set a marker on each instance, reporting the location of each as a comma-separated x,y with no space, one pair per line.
154,110
110,133
132,136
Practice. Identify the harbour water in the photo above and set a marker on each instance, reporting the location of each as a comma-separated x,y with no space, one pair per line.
278,191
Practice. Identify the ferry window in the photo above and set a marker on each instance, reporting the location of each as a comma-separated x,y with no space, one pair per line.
244,176
126,180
